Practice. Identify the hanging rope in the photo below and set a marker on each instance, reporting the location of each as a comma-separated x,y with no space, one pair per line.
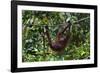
74,22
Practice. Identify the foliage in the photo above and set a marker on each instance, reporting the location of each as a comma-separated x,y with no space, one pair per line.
35,45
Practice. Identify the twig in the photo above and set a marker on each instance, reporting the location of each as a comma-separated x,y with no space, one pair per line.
39,53
81,20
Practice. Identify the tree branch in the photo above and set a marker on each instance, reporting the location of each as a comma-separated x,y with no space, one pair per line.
81,20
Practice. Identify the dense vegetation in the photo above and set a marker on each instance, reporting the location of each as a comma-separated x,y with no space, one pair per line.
35,44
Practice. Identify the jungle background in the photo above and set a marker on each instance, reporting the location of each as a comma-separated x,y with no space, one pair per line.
35,46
